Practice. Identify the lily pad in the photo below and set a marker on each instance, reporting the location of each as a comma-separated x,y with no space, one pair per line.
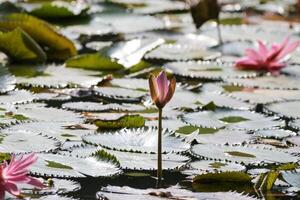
43,33
21,142
277,133
7,81
24,48
172,52
127,121
65,166
137,140
264,96
52,76
232,120
285,109
38,111
281,82
207,70
17,97
241,154
208,166
121,94
140,161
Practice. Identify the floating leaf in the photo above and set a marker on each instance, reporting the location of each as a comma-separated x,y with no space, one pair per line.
281,82
43,33
21,142
127,121
7,81
72,167
242,154
95,61
140,161
285,109
52,76
293,178
175,52
207,70
17,97
120,94
233,120
137,140
208,166
24,48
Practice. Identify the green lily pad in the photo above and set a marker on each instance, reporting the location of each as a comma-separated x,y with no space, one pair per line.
127,121
19,46
59,47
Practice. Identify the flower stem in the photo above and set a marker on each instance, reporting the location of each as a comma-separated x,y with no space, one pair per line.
159,149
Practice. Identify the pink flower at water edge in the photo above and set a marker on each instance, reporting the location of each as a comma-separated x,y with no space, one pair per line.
161,89
264,59
17,172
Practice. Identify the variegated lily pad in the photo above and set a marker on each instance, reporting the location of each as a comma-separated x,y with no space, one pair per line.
138,140
172,52
25,141
207,70
119,93
281,82
56,77
66,166
126,193
236,120
242,154
285,109
7,81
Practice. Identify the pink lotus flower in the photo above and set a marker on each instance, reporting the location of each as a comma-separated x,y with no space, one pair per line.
161,89
265,59
17,172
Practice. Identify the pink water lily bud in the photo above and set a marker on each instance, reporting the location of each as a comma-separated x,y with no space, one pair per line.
161,89
264,59
17,172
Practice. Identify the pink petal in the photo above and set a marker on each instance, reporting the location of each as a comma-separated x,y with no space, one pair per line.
289,48
12,188
276,50
163,86
35,182
262,49
253,55
246,63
